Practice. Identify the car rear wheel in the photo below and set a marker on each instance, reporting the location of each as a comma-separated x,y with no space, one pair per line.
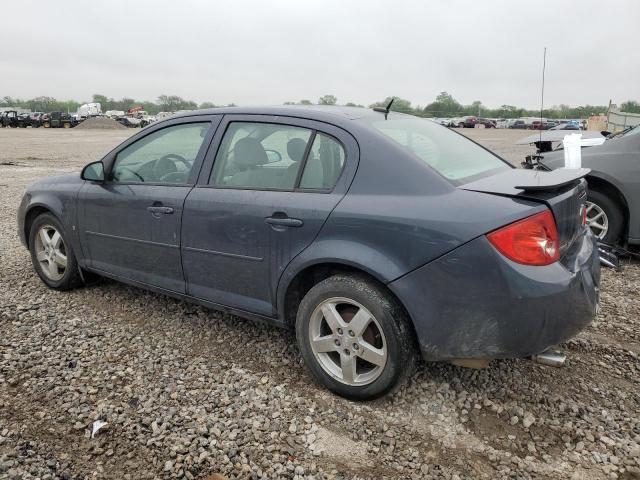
604,217
51,254
354,337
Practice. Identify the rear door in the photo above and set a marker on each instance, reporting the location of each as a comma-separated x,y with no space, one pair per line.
262,198
130,224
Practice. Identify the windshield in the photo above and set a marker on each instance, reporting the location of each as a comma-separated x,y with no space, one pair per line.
455,157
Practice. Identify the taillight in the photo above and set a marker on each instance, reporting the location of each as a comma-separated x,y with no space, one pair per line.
583,215
530,241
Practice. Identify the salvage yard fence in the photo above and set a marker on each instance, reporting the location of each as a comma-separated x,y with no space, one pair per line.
618,120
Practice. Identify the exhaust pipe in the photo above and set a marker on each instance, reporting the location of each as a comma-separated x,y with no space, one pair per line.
550,358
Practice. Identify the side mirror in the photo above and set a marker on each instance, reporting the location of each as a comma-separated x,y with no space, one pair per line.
94,172
273,156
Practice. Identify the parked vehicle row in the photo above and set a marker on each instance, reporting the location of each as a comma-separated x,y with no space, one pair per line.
11,119
471,121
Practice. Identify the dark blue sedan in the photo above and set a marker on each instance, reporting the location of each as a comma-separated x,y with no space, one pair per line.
378,236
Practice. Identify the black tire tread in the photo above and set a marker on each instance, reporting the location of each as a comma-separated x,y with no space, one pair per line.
72,277
373,296
614,214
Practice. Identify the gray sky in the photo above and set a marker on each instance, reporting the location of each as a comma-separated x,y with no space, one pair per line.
268,52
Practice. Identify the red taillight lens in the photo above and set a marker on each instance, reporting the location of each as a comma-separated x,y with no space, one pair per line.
531,241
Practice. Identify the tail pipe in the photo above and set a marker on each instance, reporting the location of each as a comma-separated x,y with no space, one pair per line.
550,358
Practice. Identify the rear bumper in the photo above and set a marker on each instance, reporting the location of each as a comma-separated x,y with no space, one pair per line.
475,303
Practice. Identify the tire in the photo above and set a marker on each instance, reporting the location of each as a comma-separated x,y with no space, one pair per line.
46,125
42,256
386,337
601,203
66,125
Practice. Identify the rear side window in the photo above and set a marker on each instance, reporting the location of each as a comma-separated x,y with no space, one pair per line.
269,156
456,158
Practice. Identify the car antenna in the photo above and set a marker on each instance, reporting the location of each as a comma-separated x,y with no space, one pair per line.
544,66
386,109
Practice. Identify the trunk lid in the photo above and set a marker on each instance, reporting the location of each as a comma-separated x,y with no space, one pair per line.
563,190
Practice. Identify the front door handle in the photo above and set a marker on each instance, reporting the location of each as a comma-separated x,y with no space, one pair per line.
160,210
284,221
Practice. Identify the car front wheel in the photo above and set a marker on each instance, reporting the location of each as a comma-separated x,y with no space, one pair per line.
604,217
354,337
52,255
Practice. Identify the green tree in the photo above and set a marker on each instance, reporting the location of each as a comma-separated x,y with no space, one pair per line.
398,105
444,106
327,100
630,106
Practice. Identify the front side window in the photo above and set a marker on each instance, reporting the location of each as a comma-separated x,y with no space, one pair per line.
457,159
164,156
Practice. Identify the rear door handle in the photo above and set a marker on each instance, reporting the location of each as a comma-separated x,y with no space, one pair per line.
160,210
284,221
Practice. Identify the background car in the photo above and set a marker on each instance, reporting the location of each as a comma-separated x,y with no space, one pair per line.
566,126
539,125
467,122
519,124
613,208
36,119
487,123
12,119
59,120
358,228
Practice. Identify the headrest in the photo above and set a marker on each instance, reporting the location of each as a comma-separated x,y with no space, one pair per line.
249,152
296,148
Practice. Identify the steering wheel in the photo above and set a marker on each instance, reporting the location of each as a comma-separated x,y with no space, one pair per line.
175,156
134,172
173,176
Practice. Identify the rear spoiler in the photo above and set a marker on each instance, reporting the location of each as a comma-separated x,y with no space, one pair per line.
516,181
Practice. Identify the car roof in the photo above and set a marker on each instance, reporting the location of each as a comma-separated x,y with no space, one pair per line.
323,113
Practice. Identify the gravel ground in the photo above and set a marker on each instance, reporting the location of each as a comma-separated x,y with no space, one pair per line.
186,392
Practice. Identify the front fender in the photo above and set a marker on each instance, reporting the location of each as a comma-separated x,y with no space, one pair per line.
61,204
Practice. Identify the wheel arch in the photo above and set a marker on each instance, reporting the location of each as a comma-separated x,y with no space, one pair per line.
605,186
31,214
306,278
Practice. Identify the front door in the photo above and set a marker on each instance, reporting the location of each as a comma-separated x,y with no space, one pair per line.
272,186
130,224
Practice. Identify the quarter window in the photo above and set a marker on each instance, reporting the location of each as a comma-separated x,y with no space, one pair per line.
164,156
324,164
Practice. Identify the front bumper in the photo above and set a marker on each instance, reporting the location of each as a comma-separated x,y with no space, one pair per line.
20,214
475,303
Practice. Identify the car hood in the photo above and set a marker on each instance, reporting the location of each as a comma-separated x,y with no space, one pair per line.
56,181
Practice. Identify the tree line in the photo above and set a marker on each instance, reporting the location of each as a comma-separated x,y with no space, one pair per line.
444,105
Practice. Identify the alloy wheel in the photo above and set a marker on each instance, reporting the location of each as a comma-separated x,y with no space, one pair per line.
597,220
51,252
347,341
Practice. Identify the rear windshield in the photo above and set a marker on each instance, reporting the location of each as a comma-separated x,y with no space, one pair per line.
453,156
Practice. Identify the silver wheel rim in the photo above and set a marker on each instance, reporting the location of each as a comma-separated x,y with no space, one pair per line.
51,252
347,341
597,220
